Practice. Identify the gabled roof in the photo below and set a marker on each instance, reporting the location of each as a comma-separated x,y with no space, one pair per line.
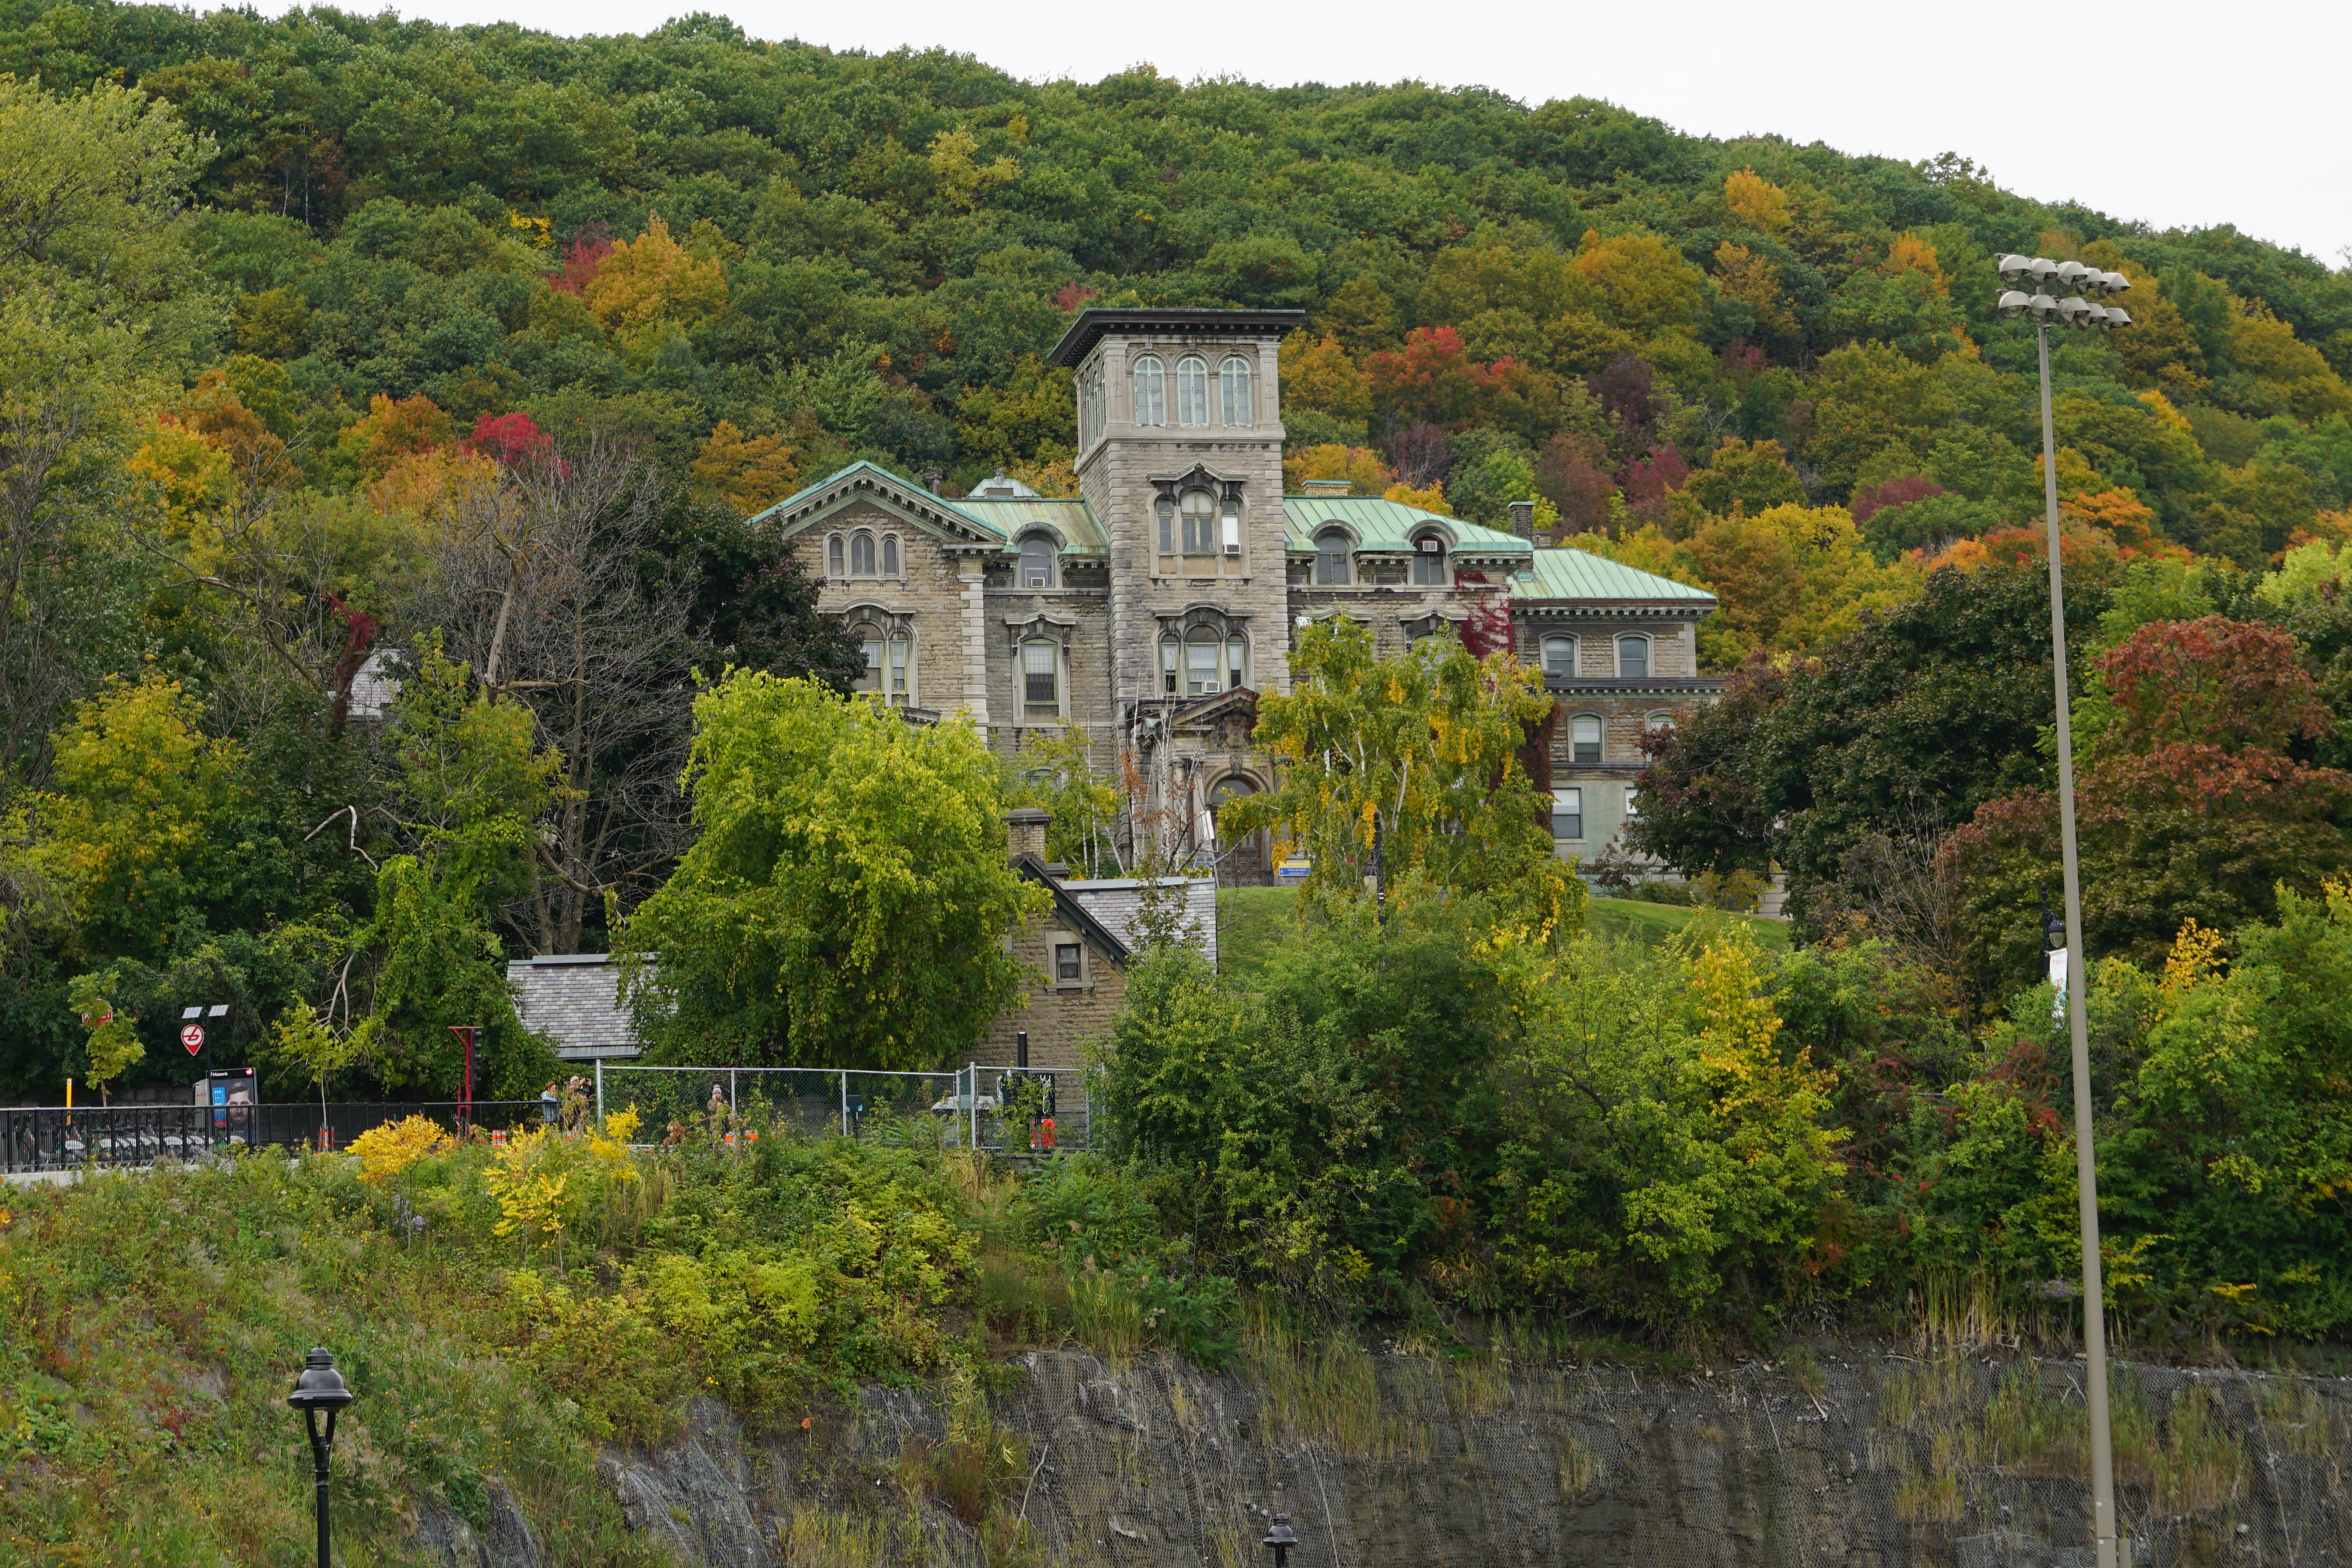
1074,915
1389,525
949,517
1070,518
1577,575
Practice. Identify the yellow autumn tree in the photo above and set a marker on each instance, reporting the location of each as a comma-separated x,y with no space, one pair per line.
1318,373
1360,465
963,180
652,284
750,473
1756,202
1649,287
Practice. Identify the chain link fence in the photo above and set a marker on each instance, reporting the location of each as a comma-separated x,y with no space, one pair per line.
995,1110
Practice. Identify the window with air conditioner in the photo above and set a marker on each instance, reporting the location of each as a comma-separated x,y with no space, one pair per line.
1429,561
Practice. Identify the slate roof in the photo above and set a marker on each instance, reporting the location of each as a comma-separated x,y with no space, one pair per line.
1575,575
1388,525
574,998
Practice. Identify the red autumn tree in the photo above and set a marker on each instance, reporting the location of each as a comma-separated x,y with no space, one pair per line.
1431,379
509,439
1893,492
2191,804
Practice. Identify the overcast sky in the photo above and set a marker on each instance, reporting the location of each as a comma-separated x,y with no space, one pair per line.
2151,110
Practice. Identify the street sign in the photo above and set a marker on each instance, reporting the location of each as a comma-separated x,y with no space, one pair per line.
192,1036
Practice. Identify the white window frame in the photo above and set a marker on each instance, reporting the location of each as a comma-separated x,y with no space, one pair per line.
1235,398
1648,653
1024,565
1570,795
1325,555
1056,942
1600,739
1544,649
1192,392
1428,563
898,671
1200,527
864,550
1151,380
1029,705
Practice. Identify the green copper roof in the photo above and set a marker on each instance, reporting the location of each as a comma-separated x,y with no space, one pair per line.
1072,519
918,494
1388,525
1574,575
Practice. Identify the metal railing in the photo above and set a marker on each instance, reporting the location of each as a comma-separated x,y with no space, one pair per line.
54,1138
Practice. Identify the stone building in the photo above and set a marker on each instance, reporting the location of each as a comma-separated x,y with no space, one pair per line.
1150,610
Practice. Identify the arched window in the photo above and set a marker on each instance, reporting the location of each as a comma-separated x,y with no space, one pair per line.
1632,656
1236,662
889,556
870,640
1331,548
861,555
1233,387
1151,391
1192,390
1041,677
1036,561
1661,721
1429,561
1559,656
1172,654
1584,738
833,557
902,667
1200,509
1167,526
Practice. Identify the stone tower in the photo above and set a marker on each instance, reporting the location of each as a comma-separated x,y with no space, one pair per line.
1179,457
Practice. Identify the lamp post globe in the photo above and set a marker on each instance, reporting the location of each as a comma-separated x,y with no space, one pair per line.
1280,1539
320,1390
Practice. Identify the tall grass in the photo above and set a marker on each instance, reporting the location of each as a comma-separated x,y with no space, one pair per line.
1320,1386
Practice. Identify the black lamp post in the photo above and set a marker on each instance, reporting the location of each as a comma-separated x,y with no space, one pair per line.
321,1387
1280,1539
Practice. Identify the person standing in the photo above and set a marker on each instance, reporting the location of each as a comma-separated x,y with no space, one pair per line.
549,1104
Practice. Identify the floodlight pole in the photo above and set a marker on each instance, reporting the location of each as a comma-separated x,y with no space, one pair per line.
2086,1180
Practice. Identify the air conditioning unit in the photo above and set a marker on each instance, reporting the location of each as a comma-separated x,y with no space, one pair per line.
1232,547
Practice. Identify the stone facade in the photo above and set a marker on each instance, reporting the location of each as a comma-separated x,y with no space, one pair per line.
1150,611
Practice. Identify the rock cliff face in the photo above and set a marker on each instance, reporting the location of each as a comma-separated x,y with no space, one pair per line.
1855,1459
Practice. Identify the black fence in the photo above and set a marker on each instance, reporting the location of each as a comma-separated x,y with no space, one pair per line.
54,1139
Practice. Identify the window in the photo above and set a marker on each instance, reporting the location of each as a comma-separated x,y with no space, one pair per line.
1659,721
1567,813
869,639
861,555
1069,964
1559,656
1584,738
1151,391
1167,526
1236,662
1633,803
833,566
1203,666
1199,509
901,668
889,556
1233,389
1036,561
1192,390
1429,561
1041,674
1331,556
1633,657
1090,407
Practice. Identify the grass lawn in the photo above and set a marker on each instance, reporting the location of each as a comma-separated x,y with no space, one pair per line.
1254,922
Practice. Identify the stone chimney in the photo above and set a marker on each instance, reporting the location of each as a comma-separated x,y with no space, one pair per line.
1026,832
1523,519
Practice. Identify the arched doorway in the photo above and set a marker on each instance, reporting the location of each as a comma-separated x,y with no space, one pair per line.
1246,863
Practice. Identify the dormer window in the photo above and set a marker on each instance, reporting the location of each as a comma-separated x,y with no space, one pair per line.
1331,549
1429,560
1151,391
1191,391
1234,391
1036,561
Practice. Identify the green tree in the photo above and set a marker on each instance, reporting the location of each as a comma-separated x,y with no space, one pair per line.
846,900
1401,778
112,1043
